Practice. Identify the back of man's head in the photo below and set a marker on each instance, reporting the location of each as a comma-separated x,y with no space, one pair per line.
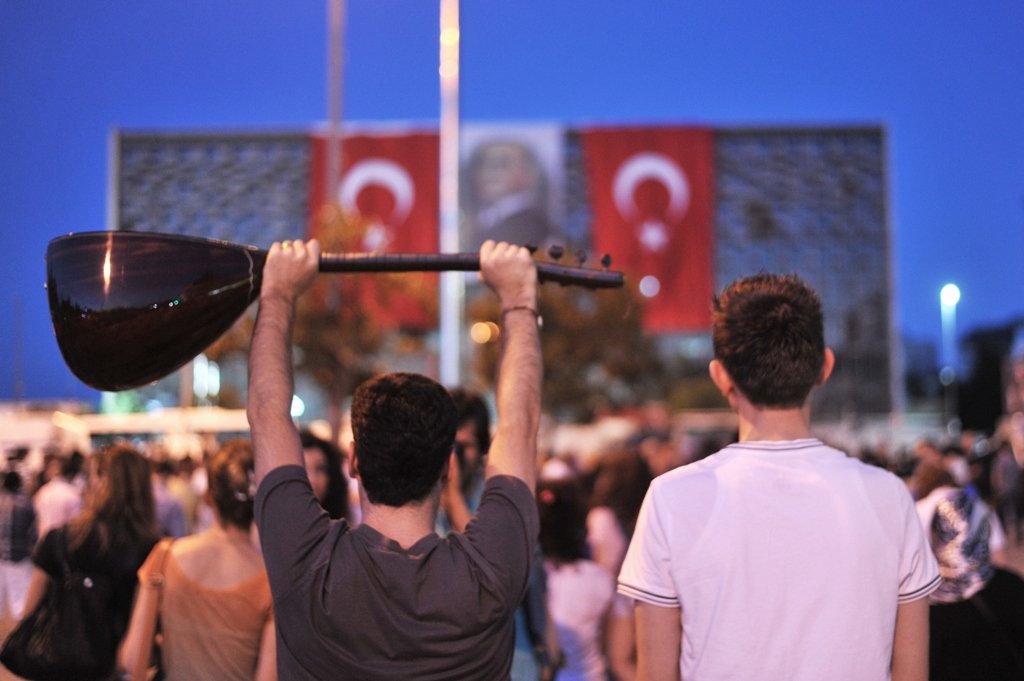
403,426
768,333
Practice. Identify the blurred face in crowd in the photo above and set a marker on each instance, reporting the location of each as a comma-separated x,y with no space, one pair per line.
925,451
316,469
470,457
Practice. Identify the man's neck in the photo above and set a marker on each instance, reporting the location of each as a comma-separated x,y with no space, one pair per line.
404,524
765,424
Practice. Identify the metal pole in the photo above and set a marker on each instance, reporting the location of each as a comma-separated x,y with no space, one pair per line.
949,296
335,95
452,283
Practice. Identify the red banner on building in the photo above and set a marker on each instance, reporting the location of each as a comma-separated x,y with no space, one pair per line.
652,197
390,182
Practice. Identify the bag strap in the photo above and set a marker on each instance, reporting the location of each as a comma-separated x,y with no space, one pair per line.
65,565
154,582
156,576
998,632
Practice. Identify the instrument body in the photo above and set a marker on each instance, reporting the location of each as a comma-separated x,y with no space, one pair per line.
123,303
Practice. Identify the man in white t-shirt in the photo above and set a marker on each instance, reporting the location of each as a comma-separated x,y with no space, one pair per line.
778,558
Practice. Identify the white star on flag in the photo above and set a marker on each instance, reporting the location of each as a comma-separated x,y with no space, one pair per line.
377,238
653,235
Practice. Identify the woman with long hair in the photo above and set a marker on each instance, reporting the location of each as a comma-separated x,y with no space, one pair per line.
213,598
579,590
109,539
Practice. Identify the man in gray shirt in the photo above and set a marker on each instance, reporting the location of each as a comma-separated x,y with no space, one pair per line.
390,599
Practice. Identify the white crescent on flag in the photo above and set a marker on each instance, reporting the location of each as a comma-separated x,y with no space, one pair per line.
650,165
385,173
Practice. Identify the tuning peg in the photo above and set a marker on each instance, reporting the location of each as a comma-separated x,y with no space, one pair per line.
556,252
581,257
606,260
531,247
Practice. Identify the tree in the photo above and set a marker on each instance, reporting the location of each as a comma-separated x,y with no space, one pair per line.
596,354
347,322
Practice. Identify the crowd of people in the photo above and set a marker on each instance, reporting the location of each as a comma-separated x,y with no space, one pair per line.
588,507
107,524
441,544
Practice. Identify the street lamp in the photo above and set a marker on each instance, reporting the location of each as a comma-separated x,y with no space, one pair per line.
949,296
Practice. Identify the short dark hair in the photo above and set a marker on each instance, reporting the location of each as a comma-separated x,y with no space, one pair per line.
768,333
403,427
232,483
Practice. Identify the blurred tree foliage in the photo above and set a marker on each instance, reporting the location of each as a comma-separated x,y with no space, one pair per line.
596,355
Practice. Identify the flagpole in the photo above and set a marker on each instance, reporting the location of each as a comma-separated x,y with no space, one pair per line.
335,95
452,283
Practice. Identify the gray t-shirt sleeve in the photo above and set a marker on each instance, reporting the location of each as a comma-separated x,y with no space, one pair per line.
292,527
505,529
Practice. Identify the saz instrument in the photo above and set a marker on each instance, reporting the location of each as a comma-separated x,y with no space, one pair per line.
129,308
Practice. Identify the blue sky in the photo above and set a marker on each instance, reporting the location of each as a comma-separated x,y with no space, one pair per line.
945,80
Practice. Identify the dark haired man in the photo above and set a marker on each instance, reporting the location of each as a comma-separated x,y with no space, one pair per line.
778,558
534,652
472,441
390,599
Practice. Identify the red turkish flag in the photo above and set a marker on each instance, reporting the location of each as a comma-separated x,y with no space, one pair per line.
391,182
652,198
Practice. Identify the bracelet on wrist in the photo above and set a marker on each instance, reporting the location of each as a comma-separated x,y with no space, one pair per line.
523,308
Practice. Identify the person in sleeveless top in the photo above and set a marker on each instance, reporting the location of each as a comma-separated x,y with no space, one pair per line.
216,614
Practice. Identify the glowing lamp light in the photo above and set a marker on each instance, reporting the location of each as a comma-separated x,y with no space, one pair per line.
949,295
484,332
650,286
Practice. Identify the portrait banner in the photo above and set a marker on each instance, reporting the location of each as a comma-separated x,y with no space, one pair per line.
652,199
512,184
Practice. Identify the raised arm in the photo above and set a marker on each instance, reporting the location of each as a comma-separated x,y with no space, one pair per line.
289,270
510,272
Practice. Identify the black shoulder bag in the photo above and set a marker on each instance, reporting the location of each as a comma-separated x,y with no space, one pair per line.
68,634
